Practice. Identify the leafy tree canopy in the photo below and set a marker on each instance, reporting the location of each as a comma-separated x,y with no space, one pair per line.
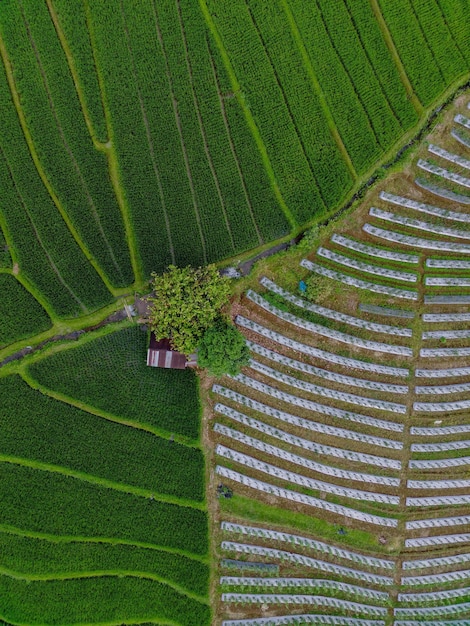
185,302
223,349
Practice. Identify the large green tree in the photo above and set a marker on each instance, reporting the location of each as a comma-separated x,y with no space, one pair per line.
223,349
185,302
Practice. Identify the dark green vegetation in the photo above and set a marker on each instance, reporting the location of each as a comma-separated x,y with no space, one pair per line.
185,302
223,349
99,501
29,318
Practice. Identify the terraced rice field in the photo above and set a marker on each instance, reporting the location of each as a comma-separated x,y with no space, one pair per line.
135,135
345,441
102,488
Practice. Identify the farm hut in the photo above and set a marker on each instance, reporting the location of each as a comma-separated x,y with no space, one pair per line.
160,354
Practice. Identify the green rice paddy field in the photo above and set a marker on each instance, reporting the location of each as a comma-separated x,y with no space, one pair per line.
134,135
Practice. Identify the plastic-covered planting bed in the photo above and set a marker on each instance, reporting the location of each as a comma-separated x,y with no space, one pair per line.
359,283
325,331
416,242
325,374
309,501
331,357
442,192
299,479
430,209
368,268
374,251
387,329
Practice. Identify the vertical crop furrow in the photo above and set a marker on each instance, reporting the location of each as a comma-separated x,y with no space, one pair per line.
40,170
363,107
230,141
396,57
247,113
201,127
99,145
68,149
38,237
174,103
423,32
113,165
149,137
317,88
371,64
287,105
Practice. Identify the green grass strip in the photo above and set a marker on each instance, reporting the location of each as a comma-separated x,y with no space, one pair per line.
247,113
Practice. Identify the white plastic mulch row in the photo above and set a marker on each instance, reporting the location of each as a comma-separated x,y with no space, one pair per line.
374,251
437,540
444,352
433,579
359,283
446,299
293,419
462,120
432,596
441,561
426,227
449,156
307,561
439,431
302,583
330,357
457,483
443,373
446,281
448,264
273,392
301,498
416,242
435,611
305,542
324,331
440,446
335,315
322,373
291,620
324,392
424,208
300,479
447,334
324,601
438,407
309,425
438,522
438,464
443,173
459,622
294,458
438,501
368,268
460,137
442,389
442,192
